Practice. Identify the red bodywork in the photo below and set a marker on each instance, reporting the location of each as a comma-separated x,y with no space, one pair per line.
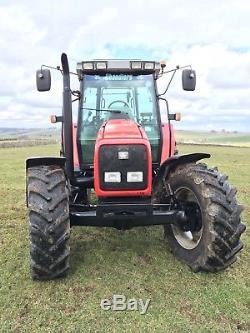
121,131
167,137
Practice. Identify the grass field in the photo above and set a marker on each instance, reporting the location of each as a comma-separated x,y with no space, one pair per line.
221,138
104,262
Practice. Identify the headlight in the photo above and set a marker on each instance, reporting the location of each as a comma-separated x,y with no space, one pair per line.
101,65
88,65
134,176
136,64
149,65
112,177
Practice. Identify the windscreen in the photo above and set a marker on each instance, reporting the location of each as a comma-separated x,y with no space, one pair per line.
111,96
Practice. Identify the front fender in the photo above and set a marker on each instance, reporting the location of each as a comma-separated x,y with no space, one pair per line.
45,160
174,161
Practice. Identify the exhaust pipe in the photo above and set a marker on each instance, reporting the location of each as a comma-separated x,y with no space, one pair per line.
67,137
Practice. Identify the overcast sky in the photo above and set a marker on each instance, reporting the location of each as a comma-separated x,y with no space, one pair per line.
212,36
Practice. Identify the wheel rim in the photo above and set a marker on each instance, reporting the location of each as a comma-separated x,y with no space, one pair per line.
188,239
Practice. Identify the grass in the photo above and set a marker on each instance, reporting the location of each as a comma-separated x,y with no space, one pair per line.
221,138
104,262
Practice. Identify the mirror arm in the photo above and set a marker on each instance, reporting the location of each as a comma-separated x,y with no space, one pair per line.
51,67
77,94
58,68
173,70
171,79
168,85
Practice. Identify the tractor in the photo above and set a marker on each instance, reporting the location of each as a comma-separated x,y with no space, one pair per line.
119,167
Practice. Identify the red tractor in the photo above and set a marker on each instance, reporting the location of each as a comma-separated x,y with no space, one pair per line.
121,148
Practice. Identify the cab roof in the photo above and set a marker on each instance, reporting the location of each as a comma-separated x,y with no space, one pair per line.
117,66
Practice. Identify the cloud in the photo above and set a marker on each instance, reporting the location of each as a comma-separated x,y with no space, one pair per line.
212,36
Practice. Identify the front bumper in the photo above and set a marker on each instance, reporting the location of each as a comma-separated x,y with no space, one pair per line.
125,216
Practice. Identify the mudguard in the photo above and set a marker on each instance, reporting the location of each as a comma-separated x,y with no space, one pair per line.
45,160
174,161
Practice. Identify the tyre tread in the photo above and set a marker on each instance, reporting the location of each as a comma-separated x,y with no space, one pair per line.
225,222
49,222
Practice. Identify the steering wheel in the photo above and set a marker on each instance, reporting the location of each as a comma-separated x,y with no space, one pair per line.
125,104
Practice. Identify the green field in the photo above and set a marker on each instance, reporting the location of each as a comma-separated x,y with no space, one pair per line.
104,262
213,137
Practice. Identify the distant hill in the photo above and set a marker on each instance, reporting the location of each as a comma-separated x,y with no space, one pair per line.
223,137
23,137
29,133
214,137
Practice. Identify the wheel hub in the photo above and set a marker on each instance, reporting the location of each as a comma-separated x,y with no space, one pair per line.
193,215
188,234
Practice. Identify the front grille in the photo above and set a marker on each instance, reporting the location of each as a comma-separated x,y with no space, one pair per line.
109,162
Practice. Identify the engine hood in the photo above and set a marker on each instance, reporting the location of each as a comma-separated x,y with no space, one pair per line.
122,128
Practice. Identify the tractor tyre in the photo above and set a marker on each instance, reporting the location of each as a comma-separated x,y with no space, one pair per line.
49,224
213,241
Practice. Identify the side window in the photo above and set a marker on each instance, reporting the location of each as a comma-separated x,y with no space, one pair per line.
89,102
146,107
163,111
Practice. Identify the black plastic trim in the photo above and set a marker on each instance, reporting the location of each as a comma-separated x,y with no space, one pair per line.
45,160
109,162
172,162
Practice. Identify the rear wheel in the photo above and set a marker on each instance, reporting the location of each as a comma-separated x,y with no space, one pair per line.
48,205
211,238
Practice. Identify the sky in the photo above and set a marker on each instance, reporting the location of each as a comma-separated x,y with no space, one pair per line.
211,36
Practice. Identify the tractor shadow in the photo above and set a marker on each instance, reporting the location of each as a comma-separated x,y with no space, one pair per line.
94,249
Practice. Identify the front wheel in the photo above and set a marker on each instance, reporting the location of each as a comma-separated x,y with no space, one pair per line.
49,222
211,238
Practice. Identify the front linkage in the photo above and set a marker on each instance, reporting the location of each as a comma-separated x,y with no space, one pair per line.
126,216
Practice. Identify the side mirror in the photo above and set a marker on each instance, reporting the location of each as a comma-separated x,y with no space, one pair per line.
188,79
43,80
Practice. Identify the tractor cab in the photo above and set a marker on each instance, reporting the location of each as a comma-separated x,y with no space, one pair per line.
117,89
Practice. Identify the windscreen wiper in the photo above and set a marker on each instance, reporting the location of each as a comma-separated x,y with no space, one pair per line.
100,110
